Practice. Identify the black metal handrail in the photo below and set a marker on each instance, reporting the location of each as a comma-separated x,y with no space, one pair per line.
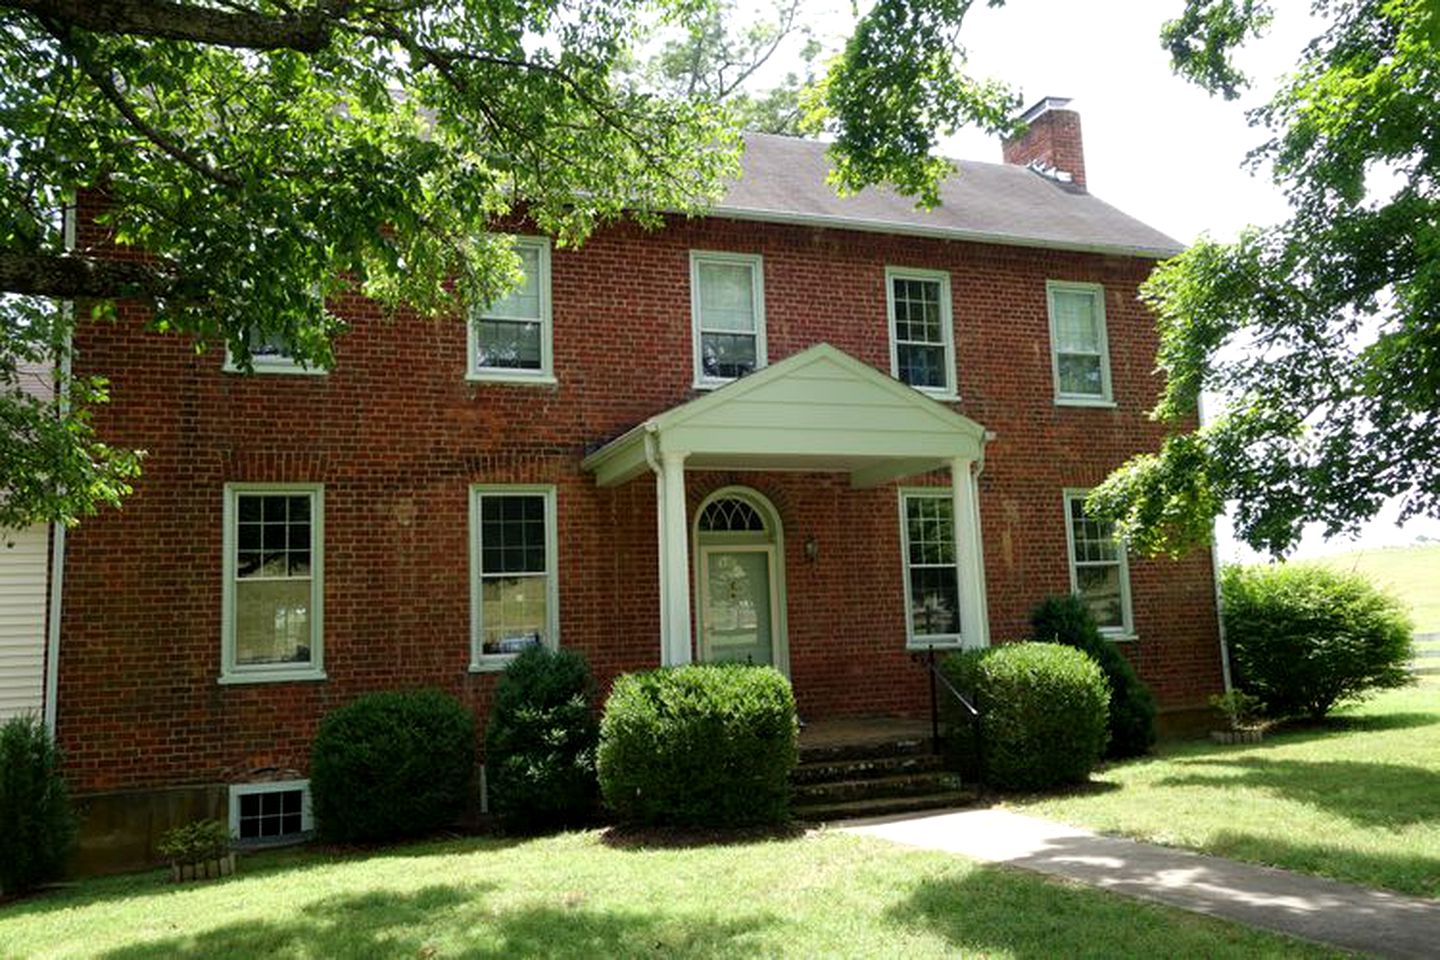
927,657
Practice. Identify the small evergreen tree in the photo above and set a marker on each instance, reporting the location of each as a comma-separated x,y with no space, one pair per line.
540,741
37,826
1067,620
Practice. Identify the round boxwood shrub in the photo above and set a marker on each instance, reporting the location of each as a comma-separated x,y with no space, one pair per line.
540,741
708,746
1042,712
1067,620
37,826
392,765
1304,637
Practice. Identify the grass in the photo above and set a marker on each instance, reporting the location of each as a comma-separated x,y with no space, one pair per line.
1356,799
1411,572
574,896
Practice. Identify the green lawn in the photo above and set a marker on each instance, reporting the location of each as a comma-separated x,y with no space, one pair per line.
1411,572
573,896
1357,800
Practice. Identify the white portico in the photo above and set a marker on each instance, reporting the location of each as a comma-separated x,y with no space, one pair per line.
818,411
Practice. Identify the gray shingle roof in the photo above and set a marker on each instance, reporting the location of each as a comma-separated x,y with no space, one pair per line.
784,181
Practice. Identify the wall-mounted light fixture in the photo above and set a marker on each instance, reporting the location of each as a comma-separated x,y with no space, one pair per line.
812,549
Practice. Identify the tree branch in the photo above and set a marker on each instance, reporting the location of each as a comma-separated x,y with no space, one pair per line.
307,31
105,82
66,276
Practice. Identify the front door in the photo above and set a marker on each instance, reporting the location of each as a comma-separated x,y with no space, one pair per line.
737,610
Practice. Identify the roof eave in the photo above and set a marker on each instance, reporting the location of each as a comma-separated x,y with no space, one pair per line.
941,233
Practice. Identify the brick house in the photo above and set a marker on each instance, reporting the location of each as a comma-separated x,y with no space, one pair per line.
803,430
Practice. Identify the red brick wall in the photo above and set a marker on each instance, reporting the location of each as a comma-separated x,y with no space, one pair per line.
396,434
1054,139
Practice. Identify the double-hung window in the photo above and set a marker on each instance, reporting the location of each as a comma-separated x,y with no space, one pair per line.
514,601
922,338
1099,573
727,305
270,353
512,339
1079,352
932,572
274,582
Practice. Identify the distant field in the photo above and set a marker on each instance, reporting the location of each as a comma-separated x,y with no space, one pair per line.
1411,572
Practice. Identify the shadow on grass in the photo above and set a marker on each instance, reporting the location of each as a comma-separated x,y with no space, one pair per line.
456,921
639,837
996,910
1304,729
1368,794
1410,873
296,861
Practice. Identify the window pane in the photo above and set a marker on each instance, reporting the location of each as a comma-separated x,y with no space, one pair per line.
512,534
929,530
921,366
269,346
523,303
1080,374
1094,539
727,296
727,355
272,621
1099,587
934,601
917,310
514,611
507,344
1076,329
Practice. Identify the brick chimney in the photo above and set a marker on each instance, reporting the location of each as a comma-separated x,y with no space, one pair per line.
1051,140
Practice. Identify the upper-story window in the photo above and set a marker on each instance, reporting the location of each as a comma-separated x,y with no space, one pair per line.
270,353
922,336
727,305
1079,352
511,338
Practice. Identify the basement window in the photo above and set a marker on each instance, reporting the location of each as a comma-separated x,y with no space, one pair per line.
271,813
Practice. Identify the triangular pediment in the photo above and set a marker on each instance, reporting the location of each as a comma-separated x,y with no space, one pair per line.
819,410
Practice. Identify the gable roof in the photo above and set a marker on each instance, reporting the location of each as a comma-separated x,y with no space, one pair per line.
784,181
819,410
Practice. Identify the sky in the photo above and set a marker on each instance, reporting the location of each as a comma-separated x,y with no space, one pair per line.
1156,147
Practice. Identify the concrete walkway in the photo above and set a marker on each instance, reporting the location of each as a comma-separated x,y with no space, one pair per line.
1323,911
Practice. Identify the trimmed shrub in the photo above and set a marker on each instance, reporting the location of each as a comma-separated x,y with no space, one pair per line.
1304,637
709,745
195,842
1042,712
392,765
1066,619
540,741
37,826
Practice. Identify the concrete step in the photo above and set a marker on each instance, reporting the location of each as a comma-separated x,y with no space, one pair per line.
875,788
831,770
872,750
885,806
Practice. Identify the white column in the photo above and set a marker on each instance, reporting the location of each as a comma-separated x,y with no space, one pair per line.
676,537
973,628
664,564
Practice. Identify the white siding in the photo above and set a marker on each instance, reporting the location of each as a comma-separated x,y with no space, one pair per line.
23,598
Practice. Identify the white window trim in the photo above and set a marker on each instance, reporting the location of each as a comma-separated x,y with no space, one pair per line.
488,662
947,325
915,641
757,279
1127,614
545,376
307,813
1106,398
230,671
